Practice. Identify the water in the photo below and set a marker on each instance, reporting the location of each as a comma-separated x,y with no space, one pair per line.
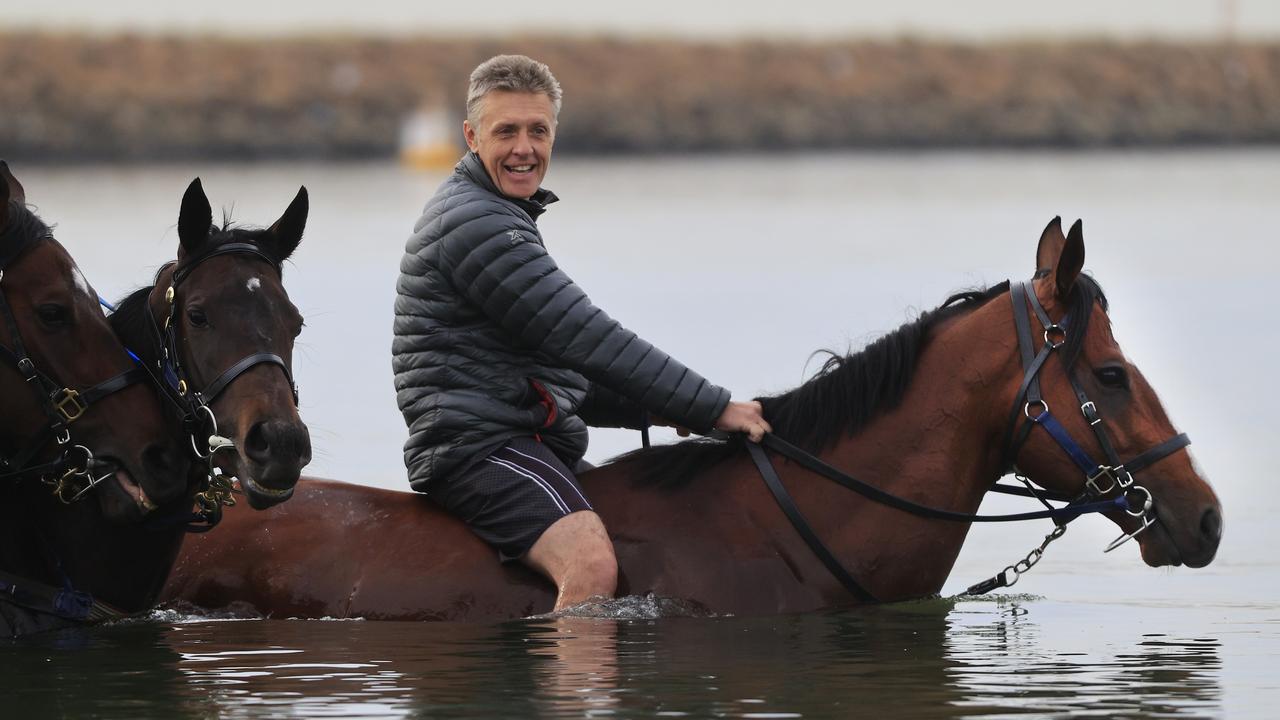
742,267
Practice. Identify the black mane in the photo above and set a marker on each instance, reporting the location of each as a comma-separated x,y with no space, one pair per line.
848,391
131,321
23,230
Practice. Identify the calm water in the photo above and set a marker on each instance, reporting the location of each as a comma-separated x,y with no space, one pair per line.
742,267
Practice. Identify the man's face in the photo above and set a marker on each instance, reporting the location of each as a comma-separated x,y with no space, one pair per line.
513,138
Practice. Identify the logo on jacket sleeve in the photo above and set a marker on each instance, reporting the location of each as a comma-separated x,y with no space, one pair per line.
515,237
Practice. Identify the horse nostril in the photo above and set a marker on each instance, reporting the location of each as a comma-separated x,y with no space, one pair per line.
257,444
276,441
1211,524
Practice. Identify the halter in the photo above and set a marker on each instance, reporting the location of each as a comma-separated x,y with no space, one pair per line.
1100,480
197,416
75,472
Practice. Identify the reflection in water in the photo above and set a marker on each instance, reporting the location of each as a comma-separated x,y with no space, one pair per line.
1005,664
940,658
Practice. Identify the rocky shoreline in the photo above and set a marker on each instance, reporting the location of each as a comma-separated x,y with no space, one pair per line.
75,98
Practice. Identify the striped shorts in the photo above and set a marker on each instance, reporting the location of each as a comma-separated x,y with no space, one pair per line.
512,496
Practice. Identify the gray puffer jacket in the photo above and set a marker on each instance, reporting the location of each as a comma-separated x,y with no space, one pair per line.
493,341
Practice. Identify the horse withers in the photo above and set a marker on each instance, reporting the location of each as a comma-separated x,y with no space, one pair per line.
84,446
1018,376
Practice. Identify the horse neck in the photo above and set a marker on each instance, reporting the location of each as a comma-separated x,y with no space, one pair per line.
939,447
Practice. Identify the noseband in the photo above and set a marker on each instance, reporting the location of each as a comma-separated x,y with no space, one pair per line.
76,471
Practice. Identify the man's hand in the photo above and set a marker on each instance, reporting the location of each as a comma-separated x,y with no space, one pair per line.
744,417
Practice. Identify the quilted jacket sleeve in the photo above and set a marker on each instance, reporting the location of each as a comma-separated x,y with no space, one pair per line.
510,276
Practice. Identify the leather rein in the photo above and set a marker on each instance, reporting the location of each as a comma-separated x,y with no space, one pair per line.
1114,478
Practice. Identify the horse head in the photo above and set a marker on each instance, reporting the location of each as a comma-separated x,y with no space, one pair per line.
74,402
230,327
1110,418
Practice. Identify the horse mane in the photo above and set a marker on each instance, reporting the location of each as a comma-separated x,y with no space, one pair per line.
23,230
848,391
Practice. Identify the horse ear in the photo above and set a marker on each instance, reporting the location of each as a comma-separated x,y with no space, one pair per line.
1071,262
283,237
195,218
1050,248
12,188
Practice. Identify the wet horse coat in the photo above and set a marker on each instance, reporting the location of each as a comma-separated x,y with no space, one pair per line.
921,413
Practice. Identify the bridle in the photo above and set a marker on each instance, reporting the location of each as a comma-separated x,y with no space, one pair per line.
1101,481
76,471
193,404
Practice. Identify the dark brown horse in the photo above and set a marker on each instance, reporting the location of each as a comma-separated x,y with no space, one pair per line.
216,331
923,414
84,446
217,328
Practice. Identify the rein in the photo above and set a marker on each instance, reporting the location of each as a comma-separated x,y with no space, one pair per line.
1100,480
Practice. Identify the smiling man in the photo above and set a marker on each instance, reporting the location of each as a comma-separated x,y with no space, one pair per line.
501,361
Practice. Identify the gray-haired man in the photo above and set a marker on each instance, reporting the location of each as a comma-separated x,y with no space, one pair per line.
501,361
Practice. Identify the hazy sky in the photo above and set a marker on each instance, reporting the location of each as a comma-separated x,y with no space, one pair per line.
714,19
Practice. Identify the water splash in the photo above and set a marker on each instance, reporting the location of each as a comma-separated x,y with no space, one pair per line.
633,607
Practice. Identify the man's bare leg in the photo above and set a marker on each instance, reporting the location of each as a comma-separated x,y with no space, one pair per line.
577,555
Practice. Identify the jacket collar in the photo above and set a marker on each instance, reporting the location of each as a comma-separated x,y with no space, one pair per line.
473,169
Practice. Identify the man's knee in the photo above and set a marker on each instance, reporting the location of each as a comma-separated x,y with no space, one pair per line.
577,550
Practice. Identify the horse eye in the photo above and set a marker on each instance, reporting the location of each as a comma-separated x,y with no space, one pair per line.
197,317
1113,377
53,315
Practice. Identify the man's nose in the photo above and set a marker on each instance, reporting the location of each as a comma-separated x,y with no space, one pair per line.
524,145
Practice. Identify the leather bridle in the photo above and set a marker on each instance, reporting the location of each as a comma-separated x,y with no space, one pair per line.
75,471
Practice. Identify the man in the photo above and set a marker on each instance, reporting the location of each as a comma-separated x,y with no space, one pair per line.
501,361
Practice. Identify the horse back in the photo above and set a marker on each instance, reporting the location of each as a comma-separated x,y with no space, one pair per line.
342,550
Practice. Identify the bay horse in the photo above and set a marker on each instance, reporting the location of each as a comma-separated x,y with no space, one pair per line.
84,445
932,415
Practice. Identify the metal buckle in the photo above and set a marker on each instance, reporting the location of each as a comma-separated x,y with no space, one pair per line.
1090,412
1103,471
69,405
